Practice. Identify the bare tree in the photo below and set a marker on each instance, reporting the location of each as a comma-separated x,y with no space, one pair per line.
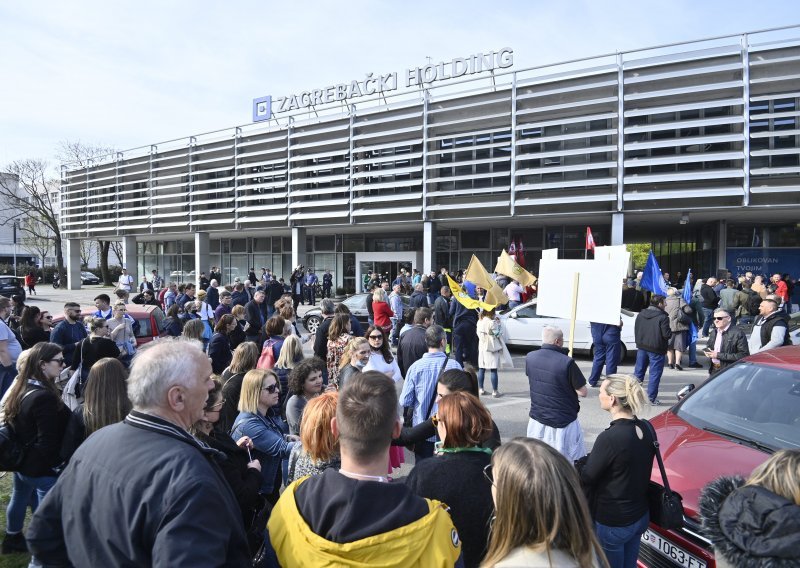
87,251
116,247
77,154
36,236
32,192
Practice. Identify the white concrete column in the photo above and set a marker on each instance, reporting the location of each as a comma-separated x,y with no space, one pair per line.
130,259
617,226
298,246
73,259
201,258
428,246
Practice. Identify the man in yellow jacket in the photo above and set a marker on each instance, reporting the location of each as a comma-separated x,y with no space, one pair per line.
355,516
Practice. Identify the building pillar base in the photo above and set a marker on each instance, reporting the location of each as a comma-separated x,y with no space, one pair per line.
201,256
428,247
617,229
73,259
298,247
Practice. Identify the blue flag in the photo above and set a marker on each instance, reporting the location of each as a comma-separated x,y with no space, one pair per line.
687,297
652,279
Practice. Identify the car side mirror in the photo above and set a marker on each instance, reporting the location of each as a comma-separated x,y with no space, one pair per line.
684,392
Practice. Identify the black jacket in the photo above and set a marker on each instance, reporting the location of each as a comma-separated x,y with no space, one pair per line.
441,311
411,348
632,300
734,345
710,299
321,339
418,300
256,315
750,527
41,422
219,350
651,330
274,292
778,318
212,297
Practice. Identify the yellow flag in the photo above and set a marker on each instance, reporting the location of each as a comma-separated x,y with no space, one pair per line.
509,267
463,298
477,274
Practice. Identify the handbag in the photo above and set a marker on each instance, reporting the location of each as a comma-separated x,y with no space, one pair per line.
666,505
12,452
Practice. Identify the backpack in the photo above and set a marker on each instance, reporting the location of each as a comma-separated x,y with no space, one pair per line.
685,314
12,452
267,358
753,303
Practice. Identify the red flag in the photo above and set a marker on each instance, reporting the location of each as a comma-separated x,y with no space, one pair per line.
521,254
512,250
589,239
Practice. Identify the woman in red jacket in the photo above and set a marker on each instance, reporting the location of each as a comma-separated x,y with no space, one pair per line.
383,314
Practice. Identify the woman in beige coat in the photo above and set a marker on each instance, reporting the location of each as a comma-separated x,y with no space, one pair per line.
677,343
490,350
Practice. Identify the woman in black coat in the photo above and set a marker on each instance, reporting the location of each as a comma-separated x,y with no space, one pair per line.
219,348
30,327
39,418
95,347
242,473
455,474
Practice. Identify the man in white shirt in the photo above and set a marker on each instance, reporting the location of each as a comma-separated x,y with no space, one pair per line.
514,292
125,281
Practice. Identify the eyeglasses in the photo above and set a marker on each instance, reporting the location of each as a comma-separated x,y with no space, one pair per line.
376,337
721,318
487,473
216,407
272,389
56,360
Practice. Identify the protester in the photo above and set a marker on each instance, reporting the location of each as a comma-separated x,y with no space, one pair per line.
490,350
256,311
397,306
105,402
290,356
452,380
93,348
755,522
727,343
709,302
355,326
455,474
275,331
652,334
353,515
270,434
338,337
318,449
238,335
380,356
70,331
219,347
194,330
321,336
354,359
173,323
419,388
30,327
242,473
606,347
122,331
770,328
465,333
245,358
412,345
39,418
541,515
127,478
676,307
382,313
305,383
616,475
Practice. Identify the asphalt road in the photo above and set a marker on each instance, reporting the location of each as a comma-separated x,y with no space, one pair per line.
509,411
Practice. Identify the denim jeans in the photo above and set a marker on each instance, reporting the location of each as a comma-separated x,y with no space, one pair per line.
7,375
693,353
492,376
621,544
656,363
708,319
606,340
26,492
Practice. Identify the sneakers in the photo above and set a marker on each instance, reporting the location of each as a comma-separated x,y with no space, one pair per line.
655,402
482,392
14,543
594,385
678,367
695,365
496,394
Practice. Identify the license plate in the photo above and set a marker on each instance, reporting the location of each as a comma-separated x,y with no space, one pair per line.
667,549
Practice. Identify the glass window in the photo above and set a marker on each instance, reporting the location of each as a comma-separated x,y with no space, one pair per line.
471,240
354,243
325,242
261,244
786,236
239,245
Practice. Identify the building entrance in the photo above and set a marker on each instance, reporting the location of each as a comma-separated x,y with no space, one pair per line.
386,264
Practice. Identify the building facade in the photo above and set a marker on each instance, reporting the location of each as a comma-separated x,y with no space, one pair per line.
693,147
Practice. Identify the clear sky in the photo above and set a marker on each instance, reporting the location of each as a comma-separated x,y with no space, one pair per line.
133,74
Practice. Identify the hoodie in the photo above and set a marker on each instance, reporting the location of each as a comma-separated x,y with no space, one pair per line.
749,526
651,330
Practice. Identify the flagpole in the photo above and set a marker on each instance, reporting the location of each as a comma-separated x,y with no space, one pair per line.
574,311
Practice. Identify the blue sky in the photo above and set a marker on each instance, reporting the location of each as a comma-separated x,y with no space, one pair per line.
134,74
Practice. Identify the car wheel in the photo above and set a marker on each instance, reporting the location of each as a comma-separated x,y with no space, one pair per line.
312,323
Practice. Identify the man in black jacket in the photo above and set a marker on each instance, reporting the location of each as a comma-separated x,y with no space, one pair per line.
412,344
770,328
652,334
256,311
726,342
274,291
709,300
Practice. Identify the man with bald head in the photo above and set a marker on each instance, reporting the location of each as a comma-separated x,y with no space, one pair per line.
144,492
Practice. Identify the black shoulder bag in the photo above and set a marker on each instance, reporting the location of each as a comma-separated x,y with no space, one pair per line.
666,506
12,452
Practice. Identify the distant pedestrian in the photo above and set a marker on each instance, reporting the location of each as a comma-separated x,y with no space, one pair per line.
30,282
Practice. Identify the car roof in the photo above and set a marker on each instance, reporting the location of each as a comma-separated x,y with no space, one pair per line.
787,357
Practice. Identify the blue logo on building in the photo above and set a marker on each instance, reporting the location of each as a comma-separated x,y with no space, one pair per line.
262,108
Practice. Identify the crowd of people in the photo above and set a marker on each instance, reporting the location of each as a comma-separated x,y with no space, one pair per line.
226,444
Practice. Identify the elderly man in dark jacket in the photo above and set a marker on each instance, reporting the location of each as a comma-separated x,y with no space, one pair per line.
652,334
726,342
144,492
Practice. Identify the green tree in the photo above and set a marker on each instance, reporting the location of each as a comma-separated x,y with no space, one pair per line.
639,253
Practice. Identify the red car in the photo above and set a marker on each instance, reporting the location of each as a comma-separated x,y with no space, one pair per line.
729,425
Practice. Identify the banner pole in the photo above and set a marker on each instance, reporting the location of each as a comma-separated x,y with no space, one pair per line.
576,280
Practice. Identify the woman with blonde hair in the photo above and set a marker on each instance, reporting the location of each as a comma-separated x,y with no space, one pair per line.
122,331
755,522
616,475
354,359
382,313
291,354
338,338
541,518
194,329
245,358
490,350
270,435
318,449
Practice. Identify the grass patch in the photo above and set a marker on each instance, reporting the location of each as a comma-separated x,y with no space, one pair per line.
10,560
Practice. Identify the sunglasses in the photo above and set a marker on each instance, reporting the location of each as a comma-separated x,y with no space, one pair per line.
721,318
436,420
272,389
376,337
487,473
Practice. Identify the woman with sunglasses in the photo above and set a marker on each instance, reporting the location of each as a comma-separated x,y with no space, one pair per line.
455,474
39,418
270,435
242,472
380,356
31,327
541,518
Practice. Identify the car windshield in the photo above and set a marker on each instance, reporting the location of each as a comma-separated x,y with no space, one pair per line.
754,404
357,302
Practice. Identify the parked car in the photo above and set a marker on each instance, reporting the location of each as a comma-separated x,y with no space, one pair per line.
522,327
89,278
150,320
727,426
357,303
11,285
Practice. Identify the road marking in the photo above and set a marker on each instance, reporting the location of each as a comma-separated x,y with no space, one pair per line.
509,402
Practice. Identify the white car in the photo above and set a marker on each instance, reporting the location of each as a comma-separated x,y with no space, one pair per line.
522,327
